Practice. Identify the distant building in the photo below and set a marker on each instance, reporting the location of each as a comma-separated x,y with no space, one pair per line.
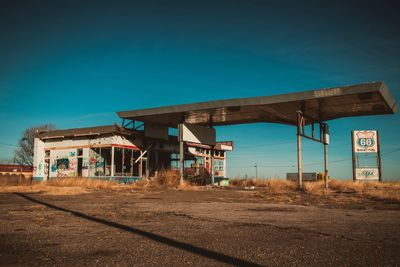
16,170
117,153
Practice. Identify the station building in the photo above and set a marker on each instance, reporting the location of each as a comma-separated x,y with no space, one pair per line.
118,153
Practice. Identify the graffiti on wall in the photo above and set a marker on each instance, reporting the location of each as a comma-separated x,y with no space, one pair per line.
96,164
46,168
40,167
63,163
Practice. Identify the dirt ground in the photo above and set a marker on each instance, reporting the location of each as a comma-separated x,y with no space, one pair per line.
204,227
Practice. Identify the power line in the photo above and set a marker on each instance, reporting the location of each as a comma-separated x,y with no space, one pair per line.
390,152
5,144
309,164
339,142
267,144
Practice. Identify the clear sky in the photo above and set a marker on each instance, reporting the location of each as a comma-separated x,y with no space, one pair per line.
74,63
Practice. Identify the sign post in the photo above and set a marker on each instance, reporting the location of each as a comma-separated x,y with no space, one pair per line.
366,142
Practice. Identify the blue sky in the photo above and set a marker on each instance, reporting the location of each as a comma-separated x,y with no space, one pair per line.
74,63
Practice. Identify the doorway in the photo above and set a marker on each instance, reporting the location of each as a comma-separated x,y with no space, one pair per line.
79,167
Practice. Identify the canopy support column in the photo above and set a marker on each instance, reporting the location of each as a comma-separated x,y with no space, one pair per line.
326,143
112,161
181,154
323,138
299,152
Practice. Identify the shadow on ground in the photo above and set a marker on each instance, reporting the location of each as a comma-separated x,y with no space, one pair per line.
158,238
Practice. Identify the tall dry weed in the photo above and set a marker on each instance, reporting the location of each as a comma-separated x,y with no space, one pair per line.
167,179
316,188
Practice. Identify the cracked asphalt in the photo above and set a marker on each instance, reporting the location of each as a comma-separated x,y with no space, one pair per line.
200,228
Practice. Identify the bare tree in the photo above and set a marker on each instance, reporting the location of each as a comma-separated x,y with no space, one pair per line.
24,154
6,161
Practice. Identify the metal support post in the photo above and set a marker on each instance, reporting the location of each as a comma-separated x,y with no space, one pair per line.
157,167
299,154
326,165
326,143
212,167
112,161
181,154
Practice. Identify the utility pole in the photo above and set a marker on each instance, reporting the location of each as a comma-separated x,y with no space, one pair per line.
255,166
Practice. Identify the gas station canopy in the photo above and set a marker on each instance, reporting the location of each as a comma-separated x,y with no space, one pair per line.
320,105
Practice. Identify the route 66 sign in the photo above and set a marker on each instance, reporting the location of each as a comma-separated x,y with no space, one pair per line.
365,141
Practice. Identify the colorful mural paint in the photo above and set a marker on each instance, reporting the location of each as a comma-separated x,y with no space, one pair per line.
96,164
63,163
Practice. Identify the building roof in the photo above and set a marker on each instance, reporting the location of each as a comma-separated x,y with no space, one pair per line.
80,132
15,168
323,104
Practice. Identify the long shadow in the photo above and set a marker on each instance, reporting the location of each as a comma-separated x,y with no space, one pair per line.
158,238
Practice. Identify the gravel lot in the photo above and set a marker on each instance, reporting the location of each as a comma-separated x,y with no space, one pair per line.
205,227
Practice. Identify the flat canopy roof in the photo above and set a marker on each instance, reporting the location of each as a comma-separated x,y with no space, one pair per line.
323,104
80,132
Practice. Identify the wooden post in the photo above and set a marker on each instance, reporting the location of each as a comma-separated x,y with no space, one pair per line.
141,167
131,163
299,154
379,156
123,160
112,161
181,154
157,168
353,156
147,164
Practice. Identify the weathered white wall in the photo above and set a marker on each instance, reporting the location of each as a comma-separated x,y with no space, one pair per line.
38,159
85,162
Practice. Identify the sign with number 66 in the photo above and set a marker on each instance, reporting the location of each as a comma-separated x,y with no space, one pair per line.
365,141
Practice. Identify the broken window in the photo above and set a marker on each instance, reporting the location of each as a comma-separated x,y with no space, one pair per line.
118,153
105,153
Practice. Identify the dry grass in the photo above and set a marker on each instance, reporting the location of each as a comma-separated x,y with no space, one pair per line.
167,179
60,186
316,188
45,189
271,185
10,180
82,182
375,190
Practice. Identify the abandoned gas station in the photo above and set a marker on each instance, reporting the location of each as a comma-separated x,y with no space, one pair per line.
117,153
142,146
